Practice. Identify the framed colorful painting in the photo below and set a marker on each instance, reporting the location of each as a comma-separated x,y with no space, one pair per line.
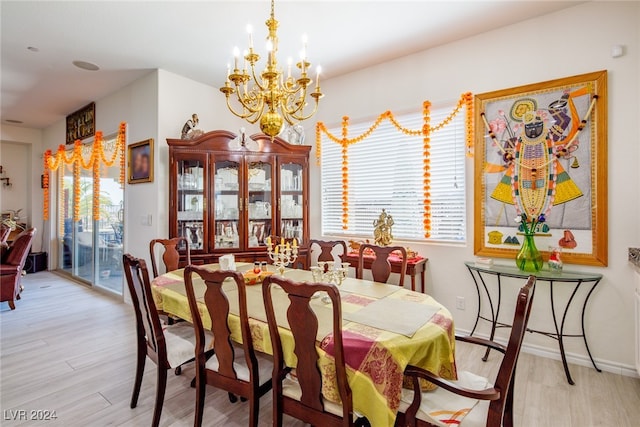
541,150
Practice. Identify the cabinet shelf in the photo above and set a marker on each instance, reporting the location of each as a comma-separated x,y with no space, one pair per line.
191,191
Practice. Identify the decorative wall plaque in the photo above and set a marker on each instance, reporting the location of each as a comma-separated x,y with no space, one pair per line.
81,124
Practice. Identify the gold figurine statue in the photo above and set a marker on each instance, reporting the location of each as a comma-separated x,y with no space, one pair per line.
382,229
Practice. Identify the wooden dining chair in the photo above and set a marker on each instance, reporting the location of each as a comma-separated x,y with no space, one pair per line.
302,397
380,266
171,256
326,250
238,369
496,402
168,347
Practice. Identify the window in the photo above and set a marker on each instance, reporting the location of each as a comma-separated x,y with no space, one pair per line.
386,172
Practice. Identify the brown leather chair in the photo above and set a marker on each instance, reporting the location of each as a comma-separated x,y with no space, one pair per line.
169,347
302,398
495,408
171,256
12,265
380,266
237,369
326,250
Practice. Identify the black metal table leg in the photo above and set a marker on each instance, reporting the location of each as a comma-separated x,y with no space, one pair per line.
584,335
475,281
561,331
494,317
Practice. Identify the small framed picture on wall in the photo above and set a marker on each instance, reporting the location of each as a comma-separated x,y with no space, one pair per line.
140,157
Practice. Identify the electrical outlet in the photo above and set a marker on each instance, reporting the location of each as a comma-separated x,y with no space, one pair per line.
460,303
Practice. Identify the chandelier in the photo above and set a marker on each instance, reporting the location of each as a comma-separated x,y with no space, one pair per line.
270,97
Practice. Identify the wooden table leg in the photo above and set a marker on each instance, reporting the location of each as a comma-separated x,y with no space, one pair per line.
422,285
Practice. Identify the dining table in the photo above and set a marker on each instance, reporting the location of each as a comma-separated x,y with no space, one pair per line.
384,327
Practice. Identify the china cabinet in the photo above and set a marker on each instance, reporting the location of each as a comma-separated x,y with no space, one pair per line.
228,195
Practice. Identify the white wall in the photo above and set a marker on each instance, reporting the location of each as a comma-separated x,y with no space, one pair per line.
15,160
21,155
569,42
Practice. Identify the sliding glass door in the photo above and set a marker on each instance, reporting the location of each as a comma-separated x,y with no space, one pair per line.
90,249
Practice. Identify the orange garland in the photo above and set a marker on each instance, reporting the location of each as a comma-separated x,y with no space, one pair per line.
45,185
345,173
466,100
426,177
61,216
97,157
76,193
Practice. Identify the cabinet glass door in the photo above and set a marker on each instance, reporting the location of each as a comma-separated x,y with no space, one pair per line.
227,203
292,202
259,203
191,203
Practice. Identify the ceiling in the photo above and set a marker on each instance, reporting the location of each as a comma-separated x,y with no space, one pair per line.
128,39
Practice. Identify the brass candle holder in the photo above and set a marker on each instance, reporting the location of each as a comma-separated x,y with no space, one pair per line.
330,272
282,254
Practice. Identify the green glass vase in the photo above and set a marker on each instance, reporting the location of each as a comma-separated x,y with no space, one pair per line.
529,258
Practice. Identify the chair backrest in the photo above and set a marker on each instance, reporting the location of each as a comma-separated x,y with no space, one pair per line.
171,256
303,324
218,305
506,372
380,266
19,249
149,329
326,250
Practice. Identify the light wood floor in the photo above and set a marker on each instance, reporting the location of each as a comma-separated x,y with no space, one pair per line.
71,350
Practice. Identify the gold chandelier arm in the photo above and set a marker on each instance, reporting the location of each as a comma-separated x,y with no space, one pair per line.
308,116
293,89
249,101
258,82
243,115
296,105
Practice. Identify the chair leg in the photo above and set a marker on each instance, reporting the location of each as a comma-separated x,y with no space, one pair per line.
12,305
507,417
277,409
142,357
160,389
254,411
201,385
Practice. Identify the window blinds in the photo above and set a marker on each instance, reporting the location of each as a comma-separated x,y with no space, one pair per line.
386,172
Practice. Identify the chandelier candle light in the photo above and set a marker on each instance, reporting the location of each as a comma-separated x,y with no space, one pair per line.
282,254
270,97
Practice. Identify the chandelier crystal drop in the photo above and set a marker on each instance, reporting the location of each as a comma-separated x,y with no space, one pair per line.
270,97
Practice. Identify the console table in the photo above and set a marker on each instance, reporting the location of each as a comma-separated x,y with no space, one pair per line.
479,274
414,266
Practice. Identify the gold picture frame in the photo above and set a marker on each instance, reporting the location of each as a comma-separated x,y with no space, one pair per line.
81,124
140,162
574,176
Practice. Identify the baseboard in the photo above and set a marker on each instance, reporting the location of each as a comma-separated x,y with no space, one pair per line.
572,358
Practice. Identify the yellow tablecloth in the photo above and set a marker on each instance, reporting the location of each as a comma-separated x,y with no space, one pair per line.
376,358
